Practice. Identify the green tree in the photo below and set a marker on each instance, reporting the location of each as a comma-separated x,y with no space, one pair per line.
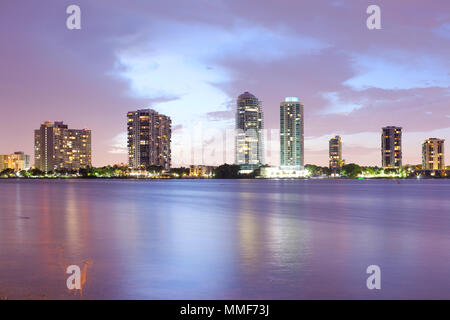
36,172
7,172
88,172
24,173
154,169
62,171
312,169
227,171
326,171
351,170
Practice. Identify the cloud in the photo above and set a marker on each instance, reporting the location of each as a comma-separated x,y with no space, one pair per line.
182,64
443,31
398,70
154,75
119,144
220,115
337,106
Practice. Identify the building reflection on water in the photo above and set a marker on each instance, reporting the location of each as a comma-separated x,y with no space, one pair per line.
245,239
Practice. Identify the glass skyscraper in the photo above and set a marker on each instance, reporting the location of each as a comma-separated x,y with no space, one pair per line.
249,132
291,133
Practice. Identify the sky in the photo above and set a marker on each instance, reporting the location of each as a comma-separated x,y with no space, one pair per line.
190,59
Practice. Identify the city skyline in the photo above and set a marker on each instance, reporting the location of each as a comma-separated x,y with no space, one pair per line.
352,80
149,142
70,147
223,159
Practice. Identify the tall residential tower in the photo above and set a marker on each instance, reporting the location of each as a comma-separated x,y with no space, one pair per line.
433,154
335,153
56,147
391,147
249,132
149,137
291,133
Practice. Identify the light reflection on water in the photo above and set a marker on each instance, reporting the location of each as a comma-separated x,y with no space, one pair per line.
254,239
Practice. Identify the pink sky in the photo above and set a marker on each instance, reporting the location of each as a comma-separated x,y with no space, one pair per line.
191,59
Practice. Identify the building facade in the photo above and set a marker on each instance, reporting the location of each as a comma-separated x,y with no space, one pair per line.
249,153
56,147
335,154
291,133
433,154
288,172
17,161
391,147
201,171
149,138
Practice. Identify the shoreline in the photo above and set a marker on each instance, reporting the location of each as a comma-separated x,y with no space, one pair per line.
243,178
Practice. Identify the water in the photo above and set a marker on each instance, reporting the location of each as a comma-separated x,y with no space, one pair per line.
219,239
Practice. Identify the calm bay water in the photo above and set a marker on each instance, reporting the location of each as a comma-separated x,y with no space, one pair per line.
219,239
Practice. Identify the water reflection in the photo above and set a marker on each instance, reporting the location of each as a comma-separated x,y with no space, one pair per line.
224,239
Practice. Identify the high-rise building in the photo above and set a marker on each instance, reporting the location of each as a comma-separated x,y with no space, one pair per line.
56,147
433,154
391,147
17,161
335,154
78,149
149,137
291,133
249,153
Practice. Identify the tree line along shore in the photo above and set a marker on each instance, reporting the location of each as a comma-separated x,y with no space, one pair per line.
225,171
